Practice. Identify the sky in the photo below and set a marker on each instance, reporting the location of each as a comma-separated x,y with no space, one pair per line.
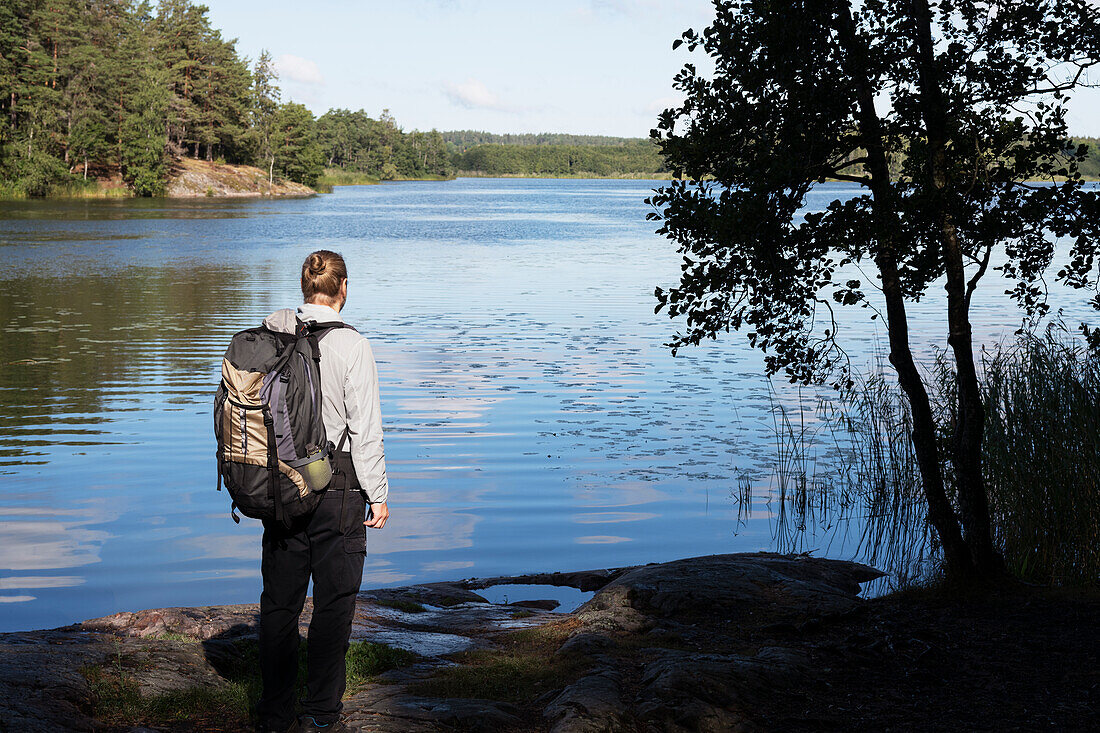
597,67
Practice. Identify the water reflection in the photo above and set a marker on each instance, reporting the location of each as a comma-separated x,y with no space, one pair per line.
534,420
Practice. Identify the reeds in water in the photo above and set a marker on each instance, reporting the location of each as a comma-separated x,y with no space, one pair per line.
853,477
1042,457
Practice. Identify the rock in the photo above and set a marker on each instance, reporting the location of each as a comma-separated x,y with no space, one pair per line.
592,704
192,178
584,580
432,594
696,602
585,643
41,687
387,708
43,682
745,588
684,691
547,604
198,623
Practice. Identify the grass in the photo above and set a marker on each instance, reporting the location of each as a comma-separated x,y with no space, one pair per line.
519,670
77,188
365,660
117,699
337,177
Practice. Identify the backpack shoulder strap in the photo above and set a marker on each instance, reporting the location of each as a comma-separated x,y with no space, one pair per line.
322,328
314,331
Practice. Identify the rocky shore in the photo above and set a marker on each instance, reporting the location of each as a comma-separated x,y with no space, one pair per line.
739,642
192,178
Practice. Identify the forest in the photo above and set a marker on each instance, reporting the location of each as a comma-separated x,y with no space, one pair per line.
119,91
116,89
459,141
637,157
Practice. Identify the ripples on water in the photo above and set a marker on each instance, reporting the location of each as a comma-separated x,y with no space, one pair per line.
533,418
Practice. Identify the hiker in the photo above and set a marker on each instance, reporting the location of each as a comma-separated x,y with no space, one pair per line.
329,544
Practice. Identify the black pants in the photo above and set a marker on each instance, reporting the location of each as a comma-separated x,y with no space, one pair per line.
331,548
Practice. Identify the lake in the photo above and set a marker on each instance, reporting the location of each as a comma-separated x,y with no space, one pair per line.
534,420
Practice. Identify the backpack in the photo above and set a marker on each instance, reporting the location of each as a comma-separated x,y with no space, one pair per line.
273,454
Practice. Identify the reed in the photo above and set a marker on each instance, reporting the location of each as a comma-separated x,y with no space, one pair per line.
855,470
336,177
1042,457
845,482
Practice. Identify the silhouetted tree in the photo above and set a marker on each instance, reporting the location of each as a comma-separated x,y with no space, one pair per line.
967,101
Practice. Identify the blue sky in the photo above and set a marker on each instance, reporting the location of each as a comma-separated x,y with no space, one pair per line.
600,67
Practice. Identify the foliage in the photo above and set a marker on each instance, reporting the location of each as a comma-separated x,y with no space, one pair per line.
638,156
117,85
459,141
355,142
265,105
38,172
298,155
943,114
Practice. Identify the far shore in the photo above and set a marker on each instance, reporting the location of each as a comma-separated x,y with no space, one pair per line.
192,178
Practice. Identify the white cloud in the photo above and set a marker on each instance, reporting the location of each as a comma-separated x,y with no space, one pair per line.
661,104
472,94
296,68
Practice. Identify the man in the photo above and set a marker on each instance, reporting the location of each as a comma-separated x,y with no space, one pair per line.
330,544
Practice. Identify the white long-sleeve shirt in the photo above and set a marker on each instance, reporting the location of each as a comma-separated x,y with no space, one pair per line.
349,393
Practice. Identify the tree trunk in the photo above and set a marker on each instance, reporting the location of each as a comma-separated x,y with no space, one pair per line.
271,171
85,167
940,513
967,447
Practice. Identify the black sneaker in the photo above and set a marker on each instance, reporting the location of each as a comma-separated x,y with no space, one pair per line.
307,724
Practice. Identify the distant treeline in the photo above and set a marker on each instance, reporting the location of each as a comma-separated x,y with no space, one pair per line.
631,158
459,141
1090,167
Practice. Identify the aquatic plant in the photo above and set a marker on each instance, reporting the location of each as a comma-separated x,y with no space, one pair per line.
856,469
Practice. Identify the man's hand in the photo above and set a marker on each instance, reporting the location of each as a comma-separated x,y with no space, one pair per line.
379,513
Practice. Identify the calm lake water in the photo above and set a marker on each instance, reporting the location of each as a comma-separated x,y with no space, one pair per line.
533,418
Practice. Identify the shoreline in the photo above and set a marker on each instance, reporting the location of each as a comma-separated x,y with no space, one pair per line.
749,641
193,179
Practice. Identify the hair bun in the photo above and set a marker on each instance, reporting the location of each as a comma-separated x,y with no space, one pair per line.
317,264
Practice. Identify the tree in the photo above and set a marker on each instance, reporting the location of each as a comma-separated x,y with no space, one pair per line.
265,102
976,113
298,156
144,99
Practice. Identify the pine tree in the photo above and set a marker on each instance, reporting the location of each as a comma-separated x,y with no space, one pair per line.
144,103
298,155
265,103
